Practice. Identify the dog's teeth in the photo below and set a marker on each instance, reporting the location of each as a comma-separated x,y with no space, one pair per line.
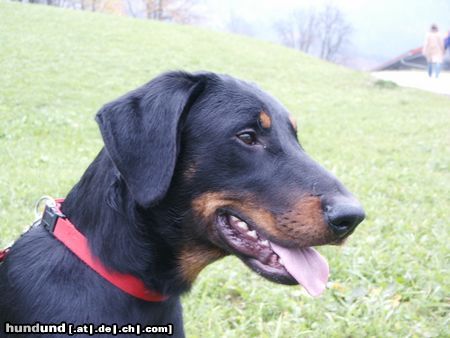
265,243
280,261
252,234
234,219
242,225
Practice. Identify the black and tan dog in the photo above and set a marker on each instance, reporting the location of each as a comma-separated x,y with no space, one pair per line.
195,167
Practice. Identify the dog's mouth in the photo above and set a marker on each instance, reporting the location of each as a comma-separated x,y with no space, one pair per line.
304,266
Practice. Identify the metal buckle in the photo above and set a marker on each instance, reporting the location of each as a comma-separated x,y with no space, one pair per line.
40,205
49,218
50,215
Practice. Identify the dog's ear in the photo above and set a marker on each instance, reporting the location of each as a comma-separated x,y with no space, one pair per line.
141,132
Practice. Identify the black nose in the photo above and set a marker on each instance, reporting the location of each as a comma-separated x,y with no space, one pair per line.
343,215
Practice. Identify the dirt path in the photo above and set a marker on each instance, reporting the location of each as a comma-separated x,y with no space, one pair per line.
417,79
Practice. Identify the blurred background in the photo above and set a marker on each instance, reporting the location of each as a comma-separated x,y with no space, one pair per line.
342,68
361,34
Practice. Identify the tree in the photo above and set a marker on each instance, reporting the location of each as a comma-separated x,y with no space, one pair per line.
300,30
180,11
88,5
322,33
335,32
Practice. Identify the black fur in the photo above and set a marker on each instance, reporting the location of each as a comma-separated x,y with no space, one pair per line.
134,201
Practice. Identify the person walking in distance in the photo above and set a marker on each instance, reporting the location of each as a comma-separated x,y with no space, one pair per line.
447,41
433,49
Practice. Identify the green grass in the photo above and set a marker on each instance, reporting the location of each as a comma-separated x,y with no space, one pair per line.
389,145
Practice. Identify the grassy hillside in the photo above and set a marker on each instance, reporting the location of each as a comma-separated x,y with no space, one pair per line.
390,146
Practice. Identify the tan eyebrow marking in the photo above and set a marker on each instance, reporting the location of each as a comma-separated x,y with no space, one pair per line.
265,120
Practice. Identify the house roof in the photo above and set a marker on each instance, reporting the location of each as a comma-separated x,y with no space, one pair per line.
411,59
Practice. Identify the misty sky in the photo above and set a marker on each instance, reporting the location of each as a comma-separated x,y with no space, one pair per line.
383,29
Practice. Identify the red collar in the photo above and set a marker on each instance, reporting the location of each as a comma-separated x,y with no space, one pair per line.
76,242
3,254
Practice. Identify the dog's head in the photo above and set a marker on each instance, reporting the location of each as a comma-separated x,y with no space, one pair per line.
222,158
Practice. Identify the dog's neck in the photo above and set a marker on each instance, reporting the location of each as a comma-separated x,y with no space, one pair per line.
121,234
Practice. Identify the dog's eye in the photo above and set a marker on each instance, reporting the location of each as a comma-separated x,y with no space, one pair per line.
248,137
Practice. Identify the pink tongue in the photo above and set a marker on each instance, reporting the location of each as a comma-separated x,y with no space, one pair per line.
307,266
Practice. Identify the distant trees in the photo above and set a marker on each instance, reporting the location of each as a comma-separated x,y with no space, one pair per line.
180,11
335,33
91,5
324,33
300,31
